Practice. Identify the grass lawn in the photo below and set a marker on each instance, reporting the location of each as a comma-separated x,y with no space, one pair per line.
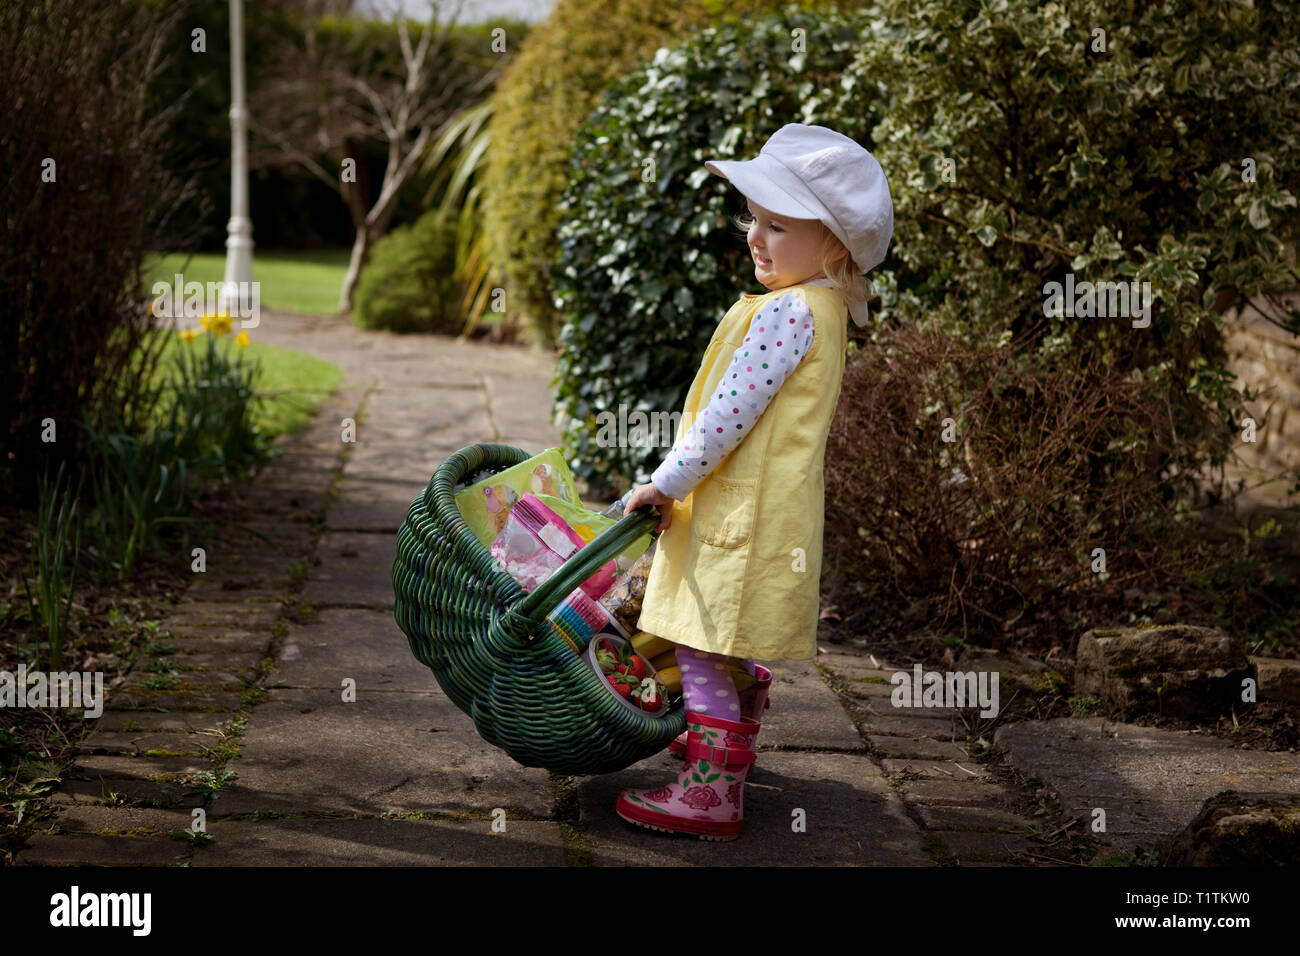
292,384
306,282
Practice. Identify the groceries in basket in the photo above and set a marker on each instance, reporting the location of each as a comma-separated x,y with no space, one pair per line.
589,525
486,504
623,600
629,677
536,542
578,617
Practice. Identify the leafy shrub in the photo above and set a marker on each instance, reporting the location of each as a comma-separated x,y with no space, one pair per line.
409,284
1122,165
86,193
999,511
541,101
648,267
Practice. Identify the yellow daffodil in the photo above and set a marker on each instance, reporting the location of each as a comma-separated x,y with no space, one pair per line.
188,335
242,338
217,323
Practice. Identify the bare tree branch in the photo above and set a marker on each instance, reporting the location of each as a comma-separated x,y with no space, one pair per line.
325,98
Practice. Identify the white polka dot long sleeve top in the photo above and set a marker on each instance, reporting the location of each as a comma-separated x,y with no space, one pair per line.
779,337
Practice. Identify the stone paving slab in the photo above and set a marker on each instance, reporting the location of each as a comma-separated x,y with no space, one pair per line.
362,842
415,430
399,372
249,617
920,721
805,713
868,691
208,679
216,640
307,751
91,819
115,721
377,505
853,818
355,568
421,417
138,742
958,793
364,645
1151,782
114,767
85,849
936,769
217,700
147,792
972,845
227,663
922,747
515,409
973,818
237,575
207,590
850,667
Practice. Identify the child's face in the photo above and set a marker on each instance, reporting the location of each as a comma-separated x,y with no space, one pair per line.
785,251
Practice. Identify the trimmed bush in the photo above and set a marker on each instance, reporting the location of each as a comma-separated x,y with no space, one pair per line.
1020,153
1025,148
649,259
408,284
542,99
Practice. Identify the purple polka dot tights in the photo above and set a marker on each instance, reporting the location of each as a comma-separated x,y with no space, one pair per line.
707,684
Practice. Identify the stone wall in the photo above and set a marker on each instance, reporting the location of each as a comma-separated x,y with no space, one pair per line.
1266,358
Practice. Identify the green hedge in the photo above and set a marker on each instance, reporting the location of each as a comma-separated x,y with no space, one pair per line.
647,268
1116,165
544,97
1122,164
407,285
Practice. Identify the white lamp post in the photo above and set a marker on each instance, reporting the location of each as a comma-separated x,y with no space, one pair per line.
239,231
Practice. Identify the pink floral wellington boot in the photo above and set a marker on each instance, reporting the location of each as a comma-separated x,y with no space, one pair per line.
753,701
708,798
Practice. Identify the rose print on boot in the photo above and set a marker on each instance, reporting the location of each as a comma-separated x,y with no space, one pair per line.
701,798
693,803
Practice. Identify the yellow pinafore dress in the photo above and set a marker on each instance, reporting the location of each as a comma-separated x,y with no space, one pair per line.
738,569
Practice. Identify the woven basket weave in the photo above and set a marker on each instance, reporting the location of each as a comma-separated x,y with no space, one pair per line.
490,646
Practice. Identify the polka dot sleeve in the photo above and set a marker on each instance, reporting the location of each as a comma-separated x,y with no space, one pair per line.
779,337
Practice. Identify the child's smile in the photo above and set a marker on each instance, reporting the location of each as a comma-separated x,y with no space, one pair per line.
785,251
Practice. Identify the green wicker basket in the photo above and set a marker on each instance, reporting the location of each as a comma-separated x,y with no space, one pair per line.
490,646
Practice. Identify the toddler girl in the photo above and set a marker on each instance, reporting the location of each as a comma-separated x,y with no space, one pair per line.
741,494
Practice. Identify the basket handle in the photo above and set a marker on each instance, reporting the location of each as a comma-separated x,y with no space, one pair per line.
546,597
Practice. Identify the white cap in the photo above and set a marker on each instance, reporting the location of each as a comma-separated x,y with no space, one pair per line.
811,172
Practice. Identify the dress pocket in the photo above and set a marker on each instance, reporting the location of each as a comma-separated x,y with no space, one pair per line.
722,513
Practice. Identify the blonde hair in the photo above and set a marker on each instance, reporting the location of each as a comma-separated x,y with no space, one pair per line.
842,273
